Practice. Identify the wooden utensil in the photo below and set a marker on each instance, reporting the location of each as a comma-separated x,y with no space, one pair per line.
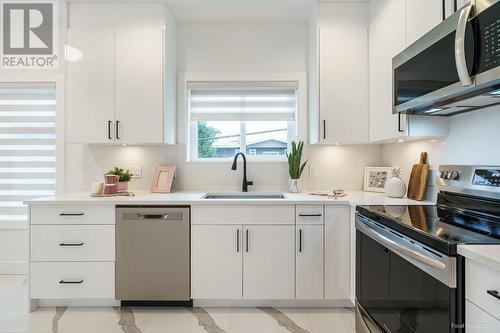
418,179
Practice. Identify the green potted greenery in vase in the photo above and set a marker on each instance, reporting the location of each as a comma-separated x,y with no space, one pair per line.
124,177
295,167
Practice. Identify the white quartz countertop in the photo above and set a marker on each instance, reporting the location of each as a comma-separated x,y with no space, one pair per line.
488,255
352,198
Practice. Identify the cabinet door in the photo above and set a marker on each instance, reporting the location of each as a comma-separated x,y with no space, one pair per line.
309,261
139,86
480,321
90,86
421,17
337,252
216,261
343,72
268,262
386,39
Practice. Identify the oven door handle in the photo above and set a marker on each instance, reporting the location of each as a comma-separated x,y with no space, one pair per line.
403,249
460,59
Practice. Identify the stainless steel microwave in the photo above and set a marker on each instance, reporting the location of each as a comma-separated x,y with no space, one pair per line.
453,68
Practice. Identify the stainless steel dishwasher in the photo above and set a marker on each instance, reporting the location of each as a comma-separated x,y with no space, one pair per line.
152,255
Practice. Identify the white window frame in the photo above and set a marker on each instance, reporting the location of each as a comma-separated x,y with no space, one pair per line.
186,127
58,79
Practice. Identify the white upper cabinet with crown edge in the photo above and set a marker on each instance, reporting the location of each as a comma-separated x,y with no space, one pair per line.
393,25
338,73
116,86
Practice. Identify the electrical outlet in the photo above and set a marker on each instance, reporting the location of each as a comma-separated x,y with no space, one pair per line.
136,170
312,171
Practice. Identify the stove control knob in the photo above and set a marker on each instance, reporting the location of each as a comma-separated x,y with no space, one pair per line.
455,175
444,174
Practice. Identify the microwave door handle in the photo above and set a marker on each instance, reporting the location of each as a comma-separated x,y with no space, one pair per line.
460,60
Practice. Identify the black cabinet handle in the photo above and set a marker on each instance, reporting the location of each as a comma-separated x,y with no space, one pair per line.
71,214
247,240
443,9
118,129
109,130
71,282
237,240
71,244
400,130
324,129
300,240
494,293
310,215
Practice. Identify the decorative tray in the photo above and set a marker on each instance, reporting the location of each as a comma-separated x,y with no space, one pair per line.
119,194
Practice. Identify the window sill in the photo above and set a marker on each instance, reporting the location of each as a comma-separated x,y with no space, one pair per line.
230,160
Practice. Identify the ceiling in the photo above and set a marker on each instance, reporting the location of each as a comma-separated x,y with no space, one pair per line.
235,10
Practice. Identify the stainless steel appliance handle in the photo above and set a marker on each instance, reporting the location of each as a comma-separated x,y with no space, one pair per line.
460,60
403,249
152,216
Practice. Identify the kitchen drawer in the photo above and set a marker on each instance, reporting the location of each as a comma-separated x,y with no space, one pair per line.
479,321
91,280
480,279
309,214
243,214
73,214
73,243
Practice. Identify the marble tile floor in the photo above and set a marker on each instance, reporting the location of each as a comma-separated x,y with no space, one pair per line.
14,317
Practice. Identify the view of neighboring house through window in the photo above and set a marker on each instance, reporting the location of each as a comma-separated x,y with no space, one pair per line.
257,118
27,147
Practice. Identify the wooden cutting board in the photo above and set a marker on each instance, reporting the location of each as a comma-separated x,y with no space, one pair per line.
418,179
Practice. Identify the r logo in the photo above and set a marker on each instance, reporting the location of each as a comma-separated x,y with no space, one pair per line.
28,28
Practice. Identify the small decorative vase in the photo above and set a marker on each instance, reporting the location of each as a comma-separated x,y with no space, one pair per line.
294,185
395,187
122,187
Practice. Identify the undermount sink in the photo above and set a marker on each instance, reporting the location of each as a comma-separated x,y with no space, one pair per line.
244,196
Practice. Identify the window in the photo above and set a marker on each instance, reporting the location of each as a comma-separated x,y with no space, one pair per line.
257,118
27,147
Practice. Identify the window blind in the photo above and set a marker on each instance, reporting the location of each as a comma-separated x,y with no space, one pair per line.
248,101
27,147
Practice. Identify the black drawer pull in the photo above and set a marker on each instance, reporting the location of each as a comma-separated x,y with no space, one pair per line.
310,215
71,282
71,244
494,293
71,214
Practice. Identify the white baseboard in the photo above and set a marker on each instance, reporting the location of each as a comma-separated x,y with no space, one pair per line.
77,302
13,267
294,303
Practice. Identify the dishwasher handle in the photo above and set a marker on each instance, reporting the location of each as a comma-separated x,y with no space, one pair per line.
152,216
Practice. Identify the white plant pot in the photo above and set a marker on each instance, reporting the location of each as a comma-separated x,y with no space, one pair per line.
294,185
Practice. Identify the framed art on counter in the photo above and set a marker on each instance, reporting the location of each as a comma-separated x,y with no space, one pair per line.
163,179
375,179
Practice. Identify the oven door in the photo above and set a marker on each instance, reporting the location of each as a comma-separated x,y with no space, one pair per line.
400,285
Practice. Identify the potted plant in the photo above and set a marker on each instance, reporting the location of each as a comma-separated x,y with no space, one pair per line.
295,167
124,177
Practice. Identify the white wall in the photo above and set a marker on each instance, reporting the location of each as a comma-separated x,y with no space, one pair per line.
473,139
219,47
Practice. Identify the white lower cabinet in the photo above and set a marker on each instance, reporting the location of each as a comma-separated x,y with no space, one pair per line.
216,262
268,262
309,261
72,280
479,321
337,252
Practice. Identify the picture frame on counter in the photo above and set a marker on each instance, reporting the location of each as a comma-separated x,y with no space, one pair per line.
375,179
163,179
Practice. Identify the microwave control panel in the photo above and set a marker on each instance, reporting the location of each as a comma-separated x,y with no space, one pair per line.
488,23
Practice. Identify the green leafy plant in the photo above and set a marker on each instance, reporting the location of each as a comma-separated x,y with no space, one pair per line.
294,159
123,175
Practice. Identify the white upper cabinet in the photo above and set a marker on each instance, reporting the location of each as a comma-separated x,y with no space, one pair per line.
116,86
338,68
421,17
139,85
90,86
386,39
393,25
